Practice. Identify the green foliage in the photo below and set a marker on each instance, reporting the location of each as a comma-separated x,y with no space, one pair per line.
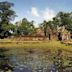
64,19
25,28
61,19
6,15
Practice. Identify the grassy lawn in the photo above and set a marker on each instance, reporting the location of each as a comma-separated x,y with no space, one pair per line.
53,44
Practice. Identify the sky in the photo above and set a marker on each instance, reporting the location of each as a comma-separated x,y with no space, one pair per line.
39,10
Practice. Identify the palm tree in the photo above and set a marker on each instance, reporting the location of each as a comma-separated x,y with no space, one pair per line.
47,28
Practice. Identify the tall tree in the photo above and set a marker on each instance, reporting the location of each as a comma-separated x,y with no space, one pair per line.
6,15
64,19
47,28
44,27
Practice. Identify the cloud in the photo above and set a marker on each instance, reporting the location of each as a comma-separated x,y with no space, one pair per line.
39,15
48,14
34,12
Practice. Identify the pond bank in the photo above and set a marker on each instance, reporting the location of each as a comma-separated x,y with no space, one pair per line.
45,44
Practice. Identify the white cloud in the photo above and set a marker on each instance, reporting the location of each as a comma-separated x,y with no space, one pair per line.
48,14
36,24
34,11
39,15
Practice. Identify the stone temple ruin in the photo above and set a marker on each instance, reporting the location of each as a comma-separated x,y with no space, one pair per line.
63,34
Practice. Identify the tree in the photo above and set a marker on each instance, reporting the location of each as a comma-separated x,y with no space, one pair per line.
6,15
47,28
44,27
32,28
64,19
26,28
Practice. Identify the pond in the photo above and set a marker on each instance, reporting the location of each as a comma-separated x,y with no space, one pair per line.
35,60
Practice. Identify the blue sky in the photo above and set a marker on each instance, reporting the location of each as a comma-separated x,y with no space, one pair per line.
39,10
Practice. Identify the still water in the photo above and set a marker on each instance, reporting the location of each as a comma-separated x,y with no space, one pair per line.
35,60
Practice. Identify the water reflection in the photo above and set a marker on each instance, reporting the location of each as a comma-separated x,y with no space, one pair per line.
34,60
58,62
4,61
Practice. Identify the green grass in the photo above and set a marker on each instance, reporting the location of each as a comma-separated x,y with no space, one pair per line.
53,44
